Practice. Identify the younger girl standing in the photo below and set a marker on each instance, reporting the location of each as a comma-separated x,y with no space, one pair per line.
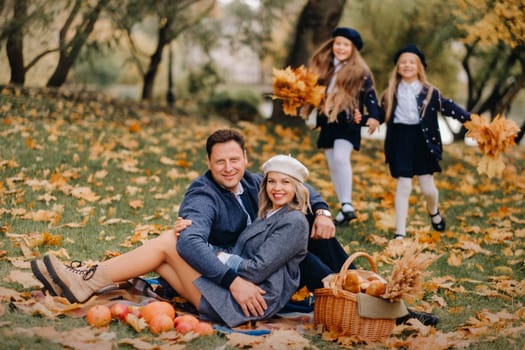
413,146
350,87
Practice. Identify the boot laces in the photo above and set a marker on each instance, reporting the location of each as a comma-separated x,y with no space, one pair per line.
86,274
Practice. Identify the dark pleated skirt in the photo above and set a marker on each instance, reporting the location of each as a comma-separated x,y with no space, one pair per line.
410,154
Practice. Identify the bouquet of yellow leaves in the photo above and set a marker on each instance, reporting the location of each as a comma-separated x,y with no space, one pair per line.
493,139
296,87
407,279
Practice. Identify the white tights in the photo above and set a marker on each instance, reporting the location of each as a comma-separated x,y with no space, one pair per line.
404,188
338,159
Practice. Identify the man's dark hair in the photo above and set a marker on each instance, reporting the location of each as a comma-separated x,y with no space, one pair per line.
221,136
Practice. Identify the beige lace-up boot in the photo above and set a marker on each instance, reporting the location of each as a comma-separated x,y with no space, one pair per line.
39,270
78,283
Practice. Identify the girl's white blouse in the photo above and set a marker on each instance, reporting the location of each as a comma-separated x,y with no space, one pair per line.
406,110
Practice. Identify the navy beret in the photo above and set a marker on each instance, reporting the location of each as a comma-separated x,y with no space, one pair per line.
412,49
349,33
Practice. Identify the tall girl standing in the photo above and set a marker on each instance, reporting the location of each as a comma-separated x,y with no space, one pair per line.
350,88
413,145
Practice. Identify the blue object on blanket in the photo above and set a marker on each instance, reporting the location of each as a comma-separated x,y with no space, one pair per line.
153,281
225,329
291,307
304,306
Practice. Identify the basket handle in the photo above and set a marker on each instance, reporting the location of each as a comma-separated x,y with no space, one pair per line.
352,257
339,278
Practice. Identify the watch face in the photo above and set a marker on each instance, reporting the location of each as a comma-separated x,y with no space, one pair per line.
323,212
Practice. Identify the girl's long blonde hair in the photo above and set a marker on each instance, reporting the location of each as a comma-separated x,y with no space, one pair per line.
345,94
301,200
389,94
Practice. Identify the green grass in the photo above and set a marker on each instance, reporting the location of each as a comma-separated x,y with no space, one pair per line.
81,140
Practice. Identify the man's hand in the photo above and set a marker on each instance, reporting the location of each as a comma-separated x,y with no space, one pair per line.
180,225
323,228
249,296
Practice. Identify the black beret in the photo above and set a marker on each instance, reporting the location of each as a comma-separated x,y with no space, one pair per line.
412,49
349,33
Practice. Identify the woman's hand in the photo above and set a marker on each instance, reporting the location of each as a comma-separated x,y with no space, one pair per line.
249,296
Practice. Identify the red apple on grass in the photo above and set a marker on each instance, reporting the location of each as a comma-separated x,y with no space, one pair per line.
119,311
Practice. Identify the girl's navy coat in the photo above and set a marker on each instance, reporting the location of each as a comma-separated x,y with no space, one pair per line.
345,127
428,120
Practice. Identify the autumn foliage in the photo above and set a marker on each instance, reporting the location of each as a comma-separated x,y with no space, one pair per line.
408,275
75,198
493,139
296,87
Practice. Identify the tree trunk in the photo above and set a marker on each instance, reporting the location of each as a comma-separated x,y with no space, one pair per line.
170,94
314,26
15,44
151,73
70,51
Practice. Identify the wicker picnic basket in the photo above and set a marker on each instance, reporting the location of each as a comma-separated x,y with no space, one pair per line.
337,310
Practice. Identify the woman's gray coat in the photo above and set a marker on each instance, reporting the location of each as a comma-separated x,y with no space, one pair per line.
271,249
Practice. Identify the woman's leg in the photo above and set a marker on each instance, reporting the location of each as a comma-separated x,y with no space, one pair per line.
403,190
159,253
142,260
181,278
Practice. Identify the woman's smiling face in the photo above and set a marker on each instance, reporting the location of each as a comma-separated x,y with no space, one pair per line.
342,48
280,188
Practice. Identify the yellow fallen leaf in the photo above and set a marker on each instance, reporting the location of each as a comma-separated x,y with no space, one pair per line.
138,324
504,270
384,220
136,203
134,127
454,259
26,279
84,193
241,340
167,161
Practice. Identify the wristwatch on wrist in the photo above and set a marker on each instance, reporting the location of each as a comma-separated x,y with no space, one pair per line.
323,212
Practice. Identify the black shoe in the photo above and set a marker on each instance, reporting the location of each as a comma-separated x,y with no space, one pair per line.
440,226
344,217
424,317
347,217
